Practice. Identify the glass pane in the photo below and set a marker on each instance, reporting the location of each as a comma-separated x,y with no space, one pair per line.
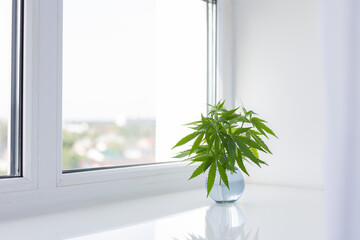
5,83
133,73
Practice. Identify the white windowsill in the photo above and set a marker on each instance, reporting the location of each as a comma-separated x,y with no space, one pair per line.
273,212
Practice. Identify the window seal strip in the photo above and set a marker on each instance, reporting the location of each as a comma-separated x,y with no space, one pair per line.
17,74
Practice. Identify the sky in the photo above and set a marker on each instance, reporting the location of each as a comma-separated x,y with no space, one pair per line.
132,59
117,54
109,59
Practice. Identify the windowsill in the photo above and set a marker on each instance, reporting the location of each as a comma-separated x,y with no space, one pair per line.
274,212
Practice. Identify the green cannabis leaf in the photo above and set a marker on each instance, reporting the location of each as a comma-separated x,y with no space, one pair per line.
223,139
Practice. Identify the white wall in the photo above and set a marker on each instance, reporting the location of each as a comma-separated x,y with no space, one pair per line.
278,74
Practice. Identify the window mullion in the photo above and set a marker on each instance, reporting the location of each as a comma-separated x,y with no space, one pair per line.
48,93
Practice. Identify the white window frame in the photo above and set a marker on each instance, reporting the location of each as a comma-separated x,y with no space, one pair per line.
43,186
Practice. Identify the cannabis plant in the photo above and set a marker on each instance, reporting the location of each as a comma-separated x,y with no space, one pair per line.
224,139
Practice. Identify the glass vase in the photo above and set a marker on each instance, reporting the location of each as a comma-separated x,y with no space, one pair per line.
221,194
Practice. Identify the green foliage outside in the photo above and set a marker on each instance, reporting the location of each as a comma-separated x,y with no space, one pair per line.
71,160
223,139
3,143
131,132
3,135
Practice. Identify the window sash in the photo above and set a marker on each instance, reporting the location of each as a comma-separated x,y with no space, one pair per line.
210,10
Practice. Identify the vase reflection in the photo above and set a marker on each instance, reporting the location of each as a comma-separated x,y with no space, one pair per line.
224,222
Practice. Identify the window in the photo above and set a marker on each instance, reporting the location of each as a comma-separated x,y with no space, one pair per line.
10,87
122,77
129,69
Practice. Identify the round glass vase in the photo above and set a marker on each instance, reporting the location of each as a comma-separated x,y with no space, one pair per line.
221,194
